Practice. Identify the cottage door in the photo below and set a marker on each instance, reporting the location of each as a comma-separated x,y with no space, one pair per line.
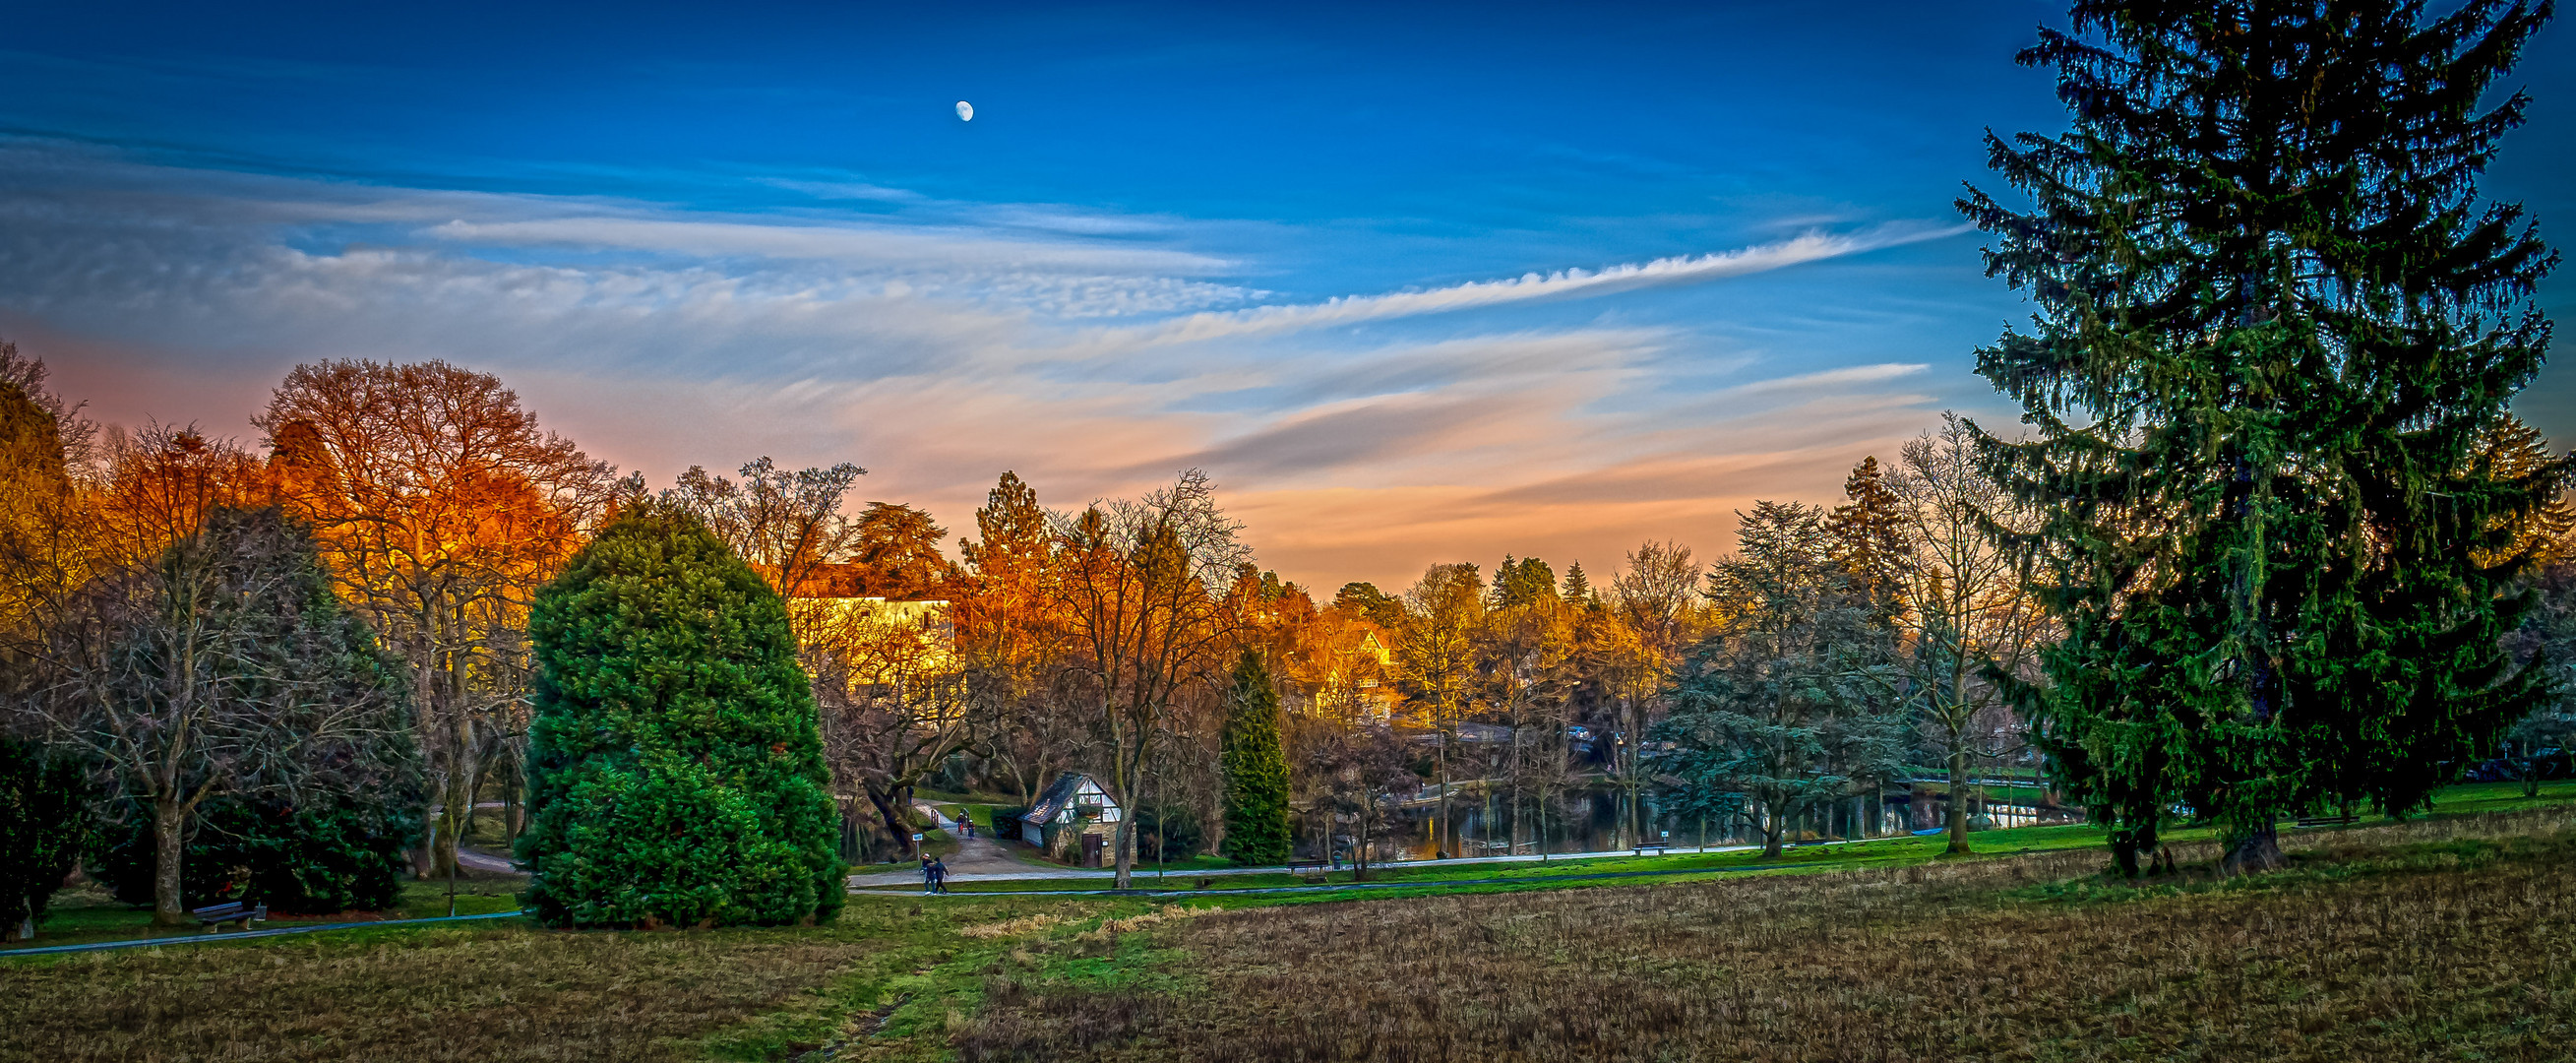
1091,844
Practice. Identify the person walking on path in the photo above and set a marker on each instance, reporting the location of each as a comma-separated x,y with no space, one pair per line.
929,877
938,876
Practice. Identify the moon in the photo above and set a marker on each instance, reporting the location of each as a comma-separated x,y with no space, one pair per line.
965,111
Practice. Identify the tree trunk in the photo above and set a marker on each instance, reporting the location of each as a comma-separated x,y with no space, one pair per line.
890,808
1769,818
1360,851
1636,747
169,818
2258,851
1958,800
514,811
1125,839
1440,831
457,800
2124,853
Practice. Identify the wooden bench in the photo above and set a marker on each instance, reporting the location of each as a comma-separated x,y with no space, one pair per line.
1295,866
1658,847
214,916
2326,821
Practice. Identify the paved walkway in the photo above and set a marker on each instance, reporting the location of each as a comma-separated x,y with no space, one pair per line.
1150,888
484,862
982,859
202,939
978,859
1022,872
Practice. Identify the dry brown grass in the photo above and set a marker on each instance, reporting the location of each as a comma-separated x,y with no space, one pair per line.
417,997
2443,940
1020,927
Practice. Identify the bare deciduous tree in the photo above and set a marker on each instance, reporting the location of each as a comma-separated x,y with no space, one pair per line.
1352,775
1968,609
893,700
1654,599
1140,596
788,525
226,665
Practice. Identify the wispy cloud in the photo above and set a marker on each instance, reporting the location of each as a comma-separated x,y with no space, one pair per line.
940,343
1346,310
858,190
871,244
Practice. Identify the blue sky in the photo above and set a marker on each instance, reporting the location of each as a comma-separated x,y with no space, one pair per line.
1308,248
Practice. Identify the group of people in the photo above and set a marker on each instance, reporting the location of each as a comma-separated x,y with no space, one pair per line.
934,874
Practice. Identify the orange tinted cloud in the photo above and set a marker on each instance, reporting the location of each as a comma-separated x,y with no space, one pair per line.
1359,437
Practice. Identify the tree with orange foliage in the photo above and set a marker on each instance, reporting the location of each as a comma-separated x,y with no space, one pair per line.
1524,678
1437,658
44,552
1012,641
440,505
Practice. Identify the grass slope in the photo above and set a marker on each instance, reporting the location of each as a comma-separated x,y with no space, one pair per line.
2440,940
2446,938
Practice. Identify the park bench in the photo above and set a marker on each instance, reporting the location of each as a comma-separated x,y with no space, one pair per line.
1658,847
214,916
2325,821
1295,866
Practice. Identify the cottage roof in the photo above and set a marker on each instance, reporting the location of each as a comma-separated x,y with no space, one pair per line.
1057,795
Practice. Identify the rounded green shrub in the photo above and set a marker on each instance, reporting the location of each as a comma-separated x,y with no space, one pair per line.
677,772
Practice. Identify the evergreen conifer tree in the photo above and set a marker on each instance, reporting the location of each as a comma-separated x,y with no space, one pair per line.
678,774
1789,702
1256,768
1523,582
44,819
2275,322
1578,586
1869,535
328,852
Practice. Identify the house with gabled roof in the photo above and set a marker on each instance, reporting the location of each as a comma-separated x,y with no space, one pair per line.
1074,820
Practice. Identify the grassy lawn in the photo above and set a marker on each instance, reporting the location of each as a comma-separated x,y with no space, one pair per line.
498,993
2440,938
2443,939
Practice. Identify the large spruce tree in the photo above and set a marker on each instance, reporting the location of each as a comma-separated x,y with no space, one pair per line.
2274,323
1256,767
677,767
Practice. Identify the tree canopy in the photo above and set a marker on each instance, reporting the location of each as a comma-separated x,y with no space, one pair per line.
678,774
2275,321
